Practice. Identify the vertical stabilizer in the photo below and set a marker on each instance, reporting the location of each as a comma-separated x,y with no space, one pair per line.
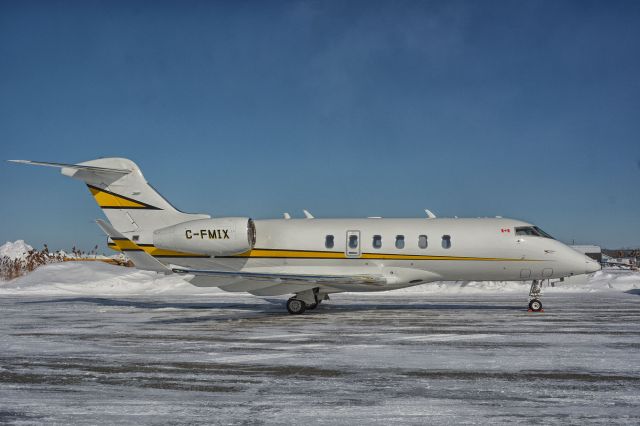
132,206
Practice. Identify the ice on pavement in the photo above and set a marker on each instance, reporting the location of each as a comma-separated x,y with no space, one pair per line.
359,359
103,279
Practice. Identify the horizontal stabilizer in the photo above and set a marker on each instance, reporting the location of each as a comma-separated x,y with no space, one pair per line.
74,167
140,258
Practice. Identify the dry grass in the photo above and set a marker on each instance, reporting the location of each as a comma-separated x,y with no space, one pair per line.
14,268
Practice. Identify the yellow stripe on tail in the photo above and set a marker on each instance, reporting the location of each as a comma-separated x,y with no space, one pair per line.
110,200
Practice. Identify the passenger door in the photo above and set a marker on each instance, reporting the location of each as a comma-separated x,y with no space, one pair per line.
353,244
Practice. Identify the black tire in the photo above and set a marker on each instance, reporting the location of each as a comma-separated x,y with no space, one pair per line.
535,305
296,306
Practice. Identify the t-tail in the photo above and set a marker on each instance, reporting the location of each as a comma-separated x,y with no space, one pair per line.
132,206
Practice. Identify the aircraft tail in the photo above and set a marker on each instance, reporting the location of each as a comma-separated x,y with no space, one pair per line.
132,206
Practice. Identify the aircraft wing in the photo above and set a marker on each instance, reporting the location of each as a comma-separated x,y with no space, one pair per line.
315,279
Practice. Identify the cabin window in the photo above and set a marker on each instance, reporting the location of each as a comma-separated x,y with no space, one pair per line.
353,242
377,241
136,238
399,241
422,241
328,241
446,241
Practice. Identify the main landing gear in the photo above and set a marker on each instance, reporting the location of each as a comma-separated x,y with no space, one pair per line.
296,306
535,305
309,299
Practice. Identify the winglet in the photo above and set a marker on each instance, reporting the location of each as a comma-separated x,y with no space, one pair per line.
307,214
140,258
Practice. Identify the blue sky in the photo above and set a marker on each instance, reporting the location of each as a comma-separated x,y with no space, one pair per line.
521,109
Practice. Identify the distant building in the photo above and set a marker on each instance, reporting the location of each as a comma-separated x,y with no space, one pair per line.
622,257
594,252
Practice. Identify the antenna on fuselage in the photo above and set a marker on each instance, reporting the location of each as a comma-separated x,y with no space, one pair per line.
430,214
307,214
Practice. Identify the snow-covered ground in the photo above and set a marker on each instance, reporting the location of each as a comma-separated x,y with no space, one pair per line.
87,342
98,278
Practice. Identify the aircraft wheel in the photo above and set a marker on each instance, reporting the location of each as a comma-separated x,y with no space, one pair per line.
295,306
535,305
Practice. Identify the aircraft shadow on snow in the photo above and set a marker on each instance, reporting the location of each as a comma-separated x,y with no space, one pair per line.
103,301
272,309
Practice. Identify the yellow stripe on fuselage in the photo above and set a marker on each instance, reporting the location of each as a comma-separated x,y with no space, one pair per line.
302,254
124,245
309,254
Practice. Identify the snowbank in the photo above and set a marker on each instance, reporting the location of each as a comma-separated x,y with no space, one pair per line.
16,250
99,278
613,280
607,279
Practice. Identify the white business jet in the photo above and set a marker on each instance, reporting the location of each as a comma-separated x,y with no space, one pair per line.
311,258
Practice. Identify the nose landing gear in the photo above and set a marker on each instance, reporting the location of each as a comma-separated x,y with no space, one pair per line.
535,305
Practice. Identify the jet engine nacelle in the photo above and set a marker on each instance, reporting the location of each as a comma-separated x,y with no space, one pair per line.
225,236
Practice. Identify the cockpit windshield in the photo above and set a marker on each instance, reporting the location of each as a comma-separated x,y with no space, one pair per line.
533,231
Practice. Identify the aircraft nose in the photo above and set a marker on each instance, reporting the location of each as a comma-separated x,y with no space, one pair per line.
591,265
581,264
